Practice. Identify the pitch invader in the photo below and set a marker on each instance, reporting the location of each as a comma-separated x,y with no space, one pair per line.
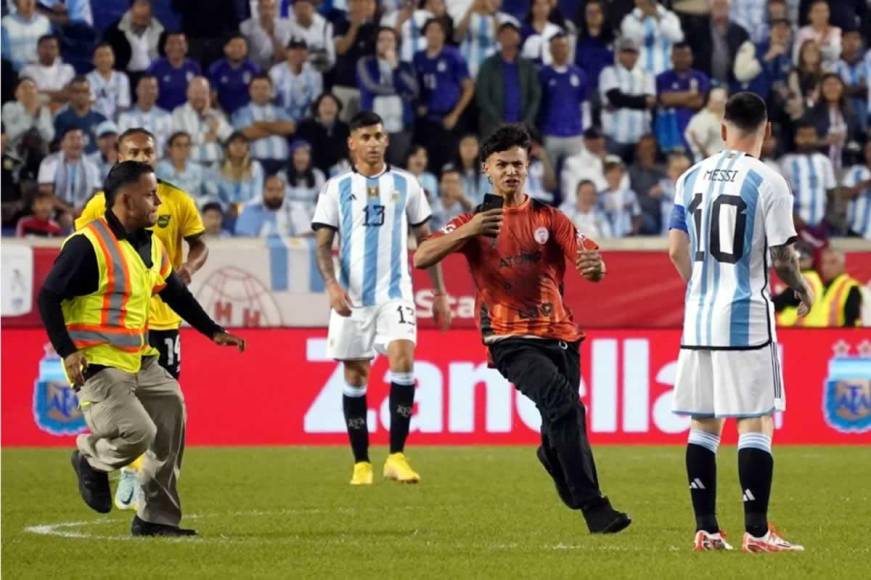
730,211
372,208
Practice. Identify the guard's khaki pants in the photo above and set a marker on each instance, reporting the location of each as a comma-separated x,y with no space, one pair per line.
132,414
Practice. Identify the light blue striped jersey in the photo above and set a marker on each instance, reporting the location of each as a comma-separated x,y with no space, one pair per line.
734,208
373,216
859,208
810,175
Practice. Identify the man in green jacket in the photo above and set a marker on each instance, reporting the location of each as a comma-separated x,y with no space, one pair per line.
507,88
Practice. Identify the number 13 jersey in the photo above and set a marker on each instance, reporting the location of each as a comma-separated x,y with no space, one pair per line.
734,208
372,216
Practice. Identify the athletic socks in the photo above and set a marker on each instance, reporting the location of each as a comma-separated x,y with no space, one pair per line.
401,404
354,407
755,470
701,460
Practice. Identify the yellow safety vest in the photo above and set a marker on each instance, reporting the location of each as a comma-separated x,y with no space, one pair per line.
828,308
789,315
110,325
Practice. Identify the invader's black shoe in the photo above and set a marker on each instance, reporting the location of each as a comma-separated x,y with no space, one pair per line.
142,528
603,519
93,484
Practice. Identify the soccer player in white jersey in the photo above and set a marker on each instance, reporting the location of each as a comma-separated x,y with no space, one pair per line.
730,211
373,207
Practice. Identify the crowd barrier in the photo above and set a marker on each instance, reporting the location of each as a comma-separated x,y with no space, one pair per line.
275,283
284,390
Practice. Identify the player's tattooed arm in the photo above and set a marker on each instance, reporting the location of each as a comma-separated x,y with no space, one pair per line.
339,299
785,261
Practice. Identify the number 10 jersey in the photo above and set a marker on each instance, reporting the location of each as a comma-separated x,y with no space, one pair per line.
734,208
372,216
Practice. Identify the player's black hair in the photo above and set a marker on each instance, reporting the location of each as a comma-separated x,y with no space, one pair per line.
745,110
364,119
122,174
133,131
505,138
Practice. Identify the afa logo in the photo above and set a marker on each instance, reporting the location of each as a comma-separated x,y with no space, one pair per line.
847,390
55,406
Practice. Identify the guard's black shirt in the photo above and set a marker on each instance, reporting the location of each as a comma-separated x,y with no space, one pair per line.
76,273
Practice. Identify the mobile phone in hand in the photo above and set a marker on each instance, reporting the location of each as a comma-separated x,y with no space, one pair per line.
492,201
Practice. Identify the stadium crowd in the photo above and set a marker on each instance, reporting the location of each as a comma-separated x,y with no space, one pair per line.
248,101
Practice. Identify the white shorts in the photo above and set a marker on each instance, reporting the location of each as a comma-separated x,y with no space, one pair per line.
370,329
729,383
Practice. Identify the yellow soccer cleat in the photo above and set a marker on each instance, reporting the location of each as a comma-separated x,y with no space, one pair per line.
397,468
362,473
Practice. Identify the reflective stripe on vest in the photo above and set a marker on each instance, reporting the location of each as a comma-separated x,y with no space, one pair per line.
838,292
115,299
130,340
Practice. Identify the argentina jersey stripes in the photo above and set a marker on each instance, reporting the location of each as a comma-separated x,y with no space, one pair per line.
373,216
733,208
811,175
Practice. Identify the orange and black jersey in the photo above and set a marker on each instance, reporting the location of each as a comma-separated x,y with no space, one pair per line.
519,274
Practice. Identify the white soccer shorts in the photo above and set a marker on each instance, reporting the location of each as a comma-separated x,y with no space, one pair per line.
729,383
370,329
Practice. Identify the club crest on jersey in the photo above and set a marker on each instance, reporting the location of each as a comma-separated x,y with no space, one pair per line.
847,389
163,220
541,235
372,191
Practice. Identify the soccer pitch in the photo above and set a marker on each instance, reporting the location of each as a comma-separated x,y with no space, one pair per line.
479,512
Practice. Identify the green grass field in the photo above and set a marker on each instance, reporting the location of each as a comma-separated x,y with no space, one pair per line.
480,512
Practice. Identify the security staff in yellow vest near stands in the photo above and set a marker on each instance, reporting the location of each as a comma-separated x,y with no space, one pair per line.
785,303
95,306
839,296
178,221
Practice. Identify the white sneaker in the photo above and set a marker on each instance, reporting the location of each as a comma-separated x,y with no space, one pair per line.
770,542
126,494
705,541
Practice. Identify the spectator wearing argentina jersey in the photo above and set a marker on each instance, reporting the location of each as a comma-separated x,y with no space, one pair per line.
146,114
408,22
810,174
232,74
507,88
446,91
682,92
565,108
21,32
317,31
852,70
238,178
206,126
69,175
110,89
266,125
628,94
618,202
267,34
655,29
858,181
477,32
178,169
389,88
174,72
297,83
751,16
538,30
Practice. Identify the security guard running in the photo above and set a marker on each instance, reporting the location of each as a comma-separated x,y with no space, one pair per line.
95,307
